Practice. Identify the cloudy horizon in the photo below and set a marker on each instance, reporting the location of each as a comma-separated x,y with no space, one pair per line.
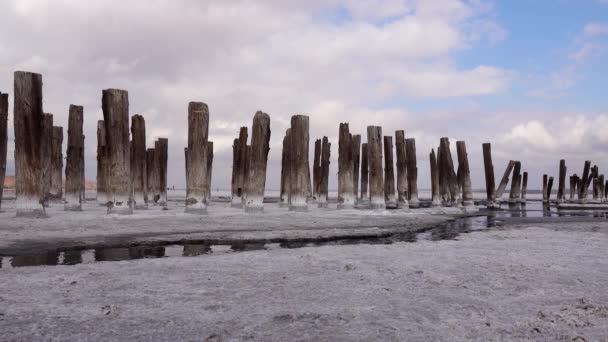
478,71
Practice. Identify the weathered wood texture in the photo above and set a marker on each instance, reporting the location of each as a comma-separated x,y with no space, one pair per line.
447,175
601,189
258,159
489,173
28,117
364,172
298,151
209,172
389,173
505,179
161,150
316,170
46,164
573,182
436,196
102,164
138,161
412,172
549,189
238,168
115,106
584,182
465,174
561,188
401,168
514,195
285,170
345,168
152,190
356,140
196,156
374,159
545,186
524,187
324,186
3,140
74,160
56,191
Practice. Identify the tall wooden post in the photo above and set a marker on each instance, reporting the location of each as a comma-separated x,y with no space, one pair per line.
465,174
489,172
545,184
196,174
46,161
152,177
389,173
83,197
209,170
238,168
285,170
549,189
258,159
561,196
316,170
138,161
584,182
524,187
436,200
364,172
299,162
374,156
572,186
102,165
356,140
412,172
324,186
3,140
515,194
505,179
56,191
115,106
401,169
601,189
161,148
74,162
346,190
447,173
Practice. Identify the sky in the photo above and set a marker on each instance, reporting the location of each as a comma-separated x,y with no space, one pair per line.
528,76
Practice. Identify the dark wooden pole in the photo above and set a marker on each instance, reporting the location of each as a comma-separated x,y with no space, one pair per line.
74,162
573,182
299,137
324,186
389,173
356,140
115,106
545,185
258,159
238,168
450,178
524,187
56,191
209,171
549,189
161,148
514,195
489,172
465,174
374,156
436,197
152,177
285,170
561,195
346,190
196,173
412,172
601,189
3,140
46,153
316,170
584,182
364,173
505,180
401,169
138,161
102,165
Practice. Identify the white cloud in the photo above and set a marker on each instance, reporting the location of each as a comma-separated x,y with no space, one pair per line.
595,29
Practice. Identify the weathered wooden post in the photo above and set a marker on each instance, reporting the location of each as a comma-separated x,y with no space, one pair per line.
545,185
505,180
196,173
239,156
83,197
209,172
324,186
465,174
258,158
138,161
346,190
561,196
28,118
450,179
412,172
3,140
606,190
584,182
374,163
299,137
46,163
364,173
549,189
152,189
356,140
401,169
316,170
389,173
102,165
489,173
601,189
56,190
161,149
573,183
515,188
436,196
285,170
74,162
524,188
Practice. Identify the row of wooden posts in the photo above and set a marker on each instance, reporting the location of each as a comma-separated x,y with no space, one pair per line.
578,185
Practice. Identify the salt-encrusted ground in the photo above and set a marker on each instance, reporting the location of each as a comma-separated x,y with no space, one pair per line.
542,283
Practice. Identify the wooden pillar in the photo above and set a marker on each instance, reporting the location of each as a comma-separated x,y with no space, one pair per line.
3,140
239,156
46,152
545,185
299,162
152,177
524,187
374,156
450,178
443,176
489,173
505,180
412,172
56,190
161,148
561,195
258,159
389,173
316,170
115,106
74,162
102,164
364,172
401,169
196,173
549,189
346,190
573,182
138,161
465,174
584,182
285,170
601,189
324,184
356,140
515,189
83,189
209,171
28,119
436,197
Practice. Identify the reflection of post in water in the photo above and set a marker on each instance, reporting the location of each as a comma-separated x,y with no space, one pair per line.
491,218
245,246
515,209
48,259
112,254
194,250
546,209
140,252
72,257
524,212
